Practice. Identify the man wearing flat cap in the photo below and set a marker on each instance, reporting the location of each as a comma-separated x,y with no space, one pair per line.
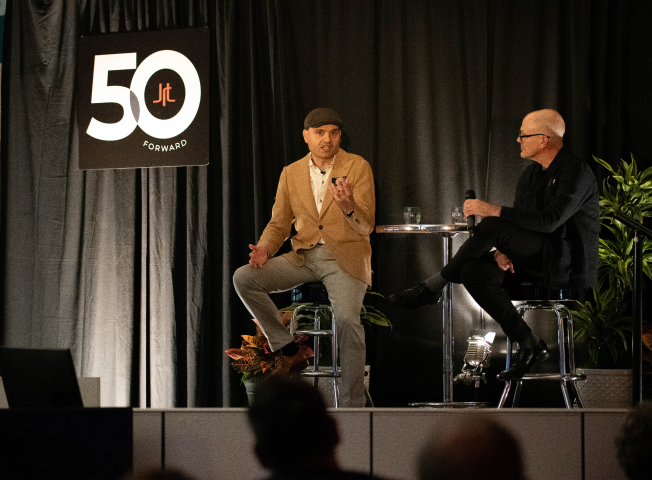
333,222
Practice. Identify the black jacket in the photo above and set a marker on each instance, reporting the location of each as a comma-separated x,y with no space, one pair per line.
569,217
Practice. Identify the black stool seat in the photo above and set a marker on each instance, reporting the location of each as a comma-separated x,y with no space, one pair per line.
536,292
309,293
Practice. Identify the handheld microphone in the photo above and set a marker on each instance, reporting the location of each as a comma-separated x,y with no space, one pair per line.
470,220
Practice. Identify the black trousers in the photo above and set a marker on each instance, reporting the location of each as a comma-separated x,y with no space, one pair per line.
474,266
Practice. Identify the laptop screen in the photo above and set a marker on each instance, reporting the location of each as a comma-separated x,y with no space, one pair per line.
39,377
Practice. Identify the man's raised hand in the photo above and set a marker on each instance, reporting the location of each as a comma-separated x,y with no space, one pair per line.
342,194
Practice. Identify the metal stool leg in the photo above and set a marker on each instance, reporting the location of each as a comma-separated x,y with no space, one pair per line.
317,332
571,354
335,357
561,341
503,398
519,383
370,402
316,343
517,393
508,384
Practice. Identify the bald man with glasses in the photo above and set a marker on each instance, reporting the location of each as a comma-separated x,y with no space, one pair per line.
550,234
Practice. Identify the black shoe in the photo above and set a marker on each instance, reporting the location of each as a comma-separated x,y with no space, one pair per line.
415,297
524,359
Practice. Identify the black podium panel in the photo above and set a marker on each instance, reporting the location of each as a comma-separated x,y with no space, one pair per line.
39,378
90,443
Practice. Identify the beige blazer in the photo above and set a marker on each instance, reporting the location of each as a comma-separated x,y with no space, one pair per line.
347,238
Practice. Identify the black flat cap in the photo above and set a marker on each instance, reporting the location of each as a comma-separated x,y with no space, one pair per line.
322,116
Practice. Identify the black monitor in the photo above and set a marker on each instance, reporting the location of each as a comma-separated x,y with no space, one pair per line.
39,378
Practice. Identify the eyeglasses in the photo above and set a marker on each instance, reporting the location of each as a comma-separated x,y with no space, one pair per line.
521,136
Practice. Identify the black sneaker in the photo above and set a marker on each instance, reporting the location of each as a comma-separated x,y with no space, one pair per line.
416,297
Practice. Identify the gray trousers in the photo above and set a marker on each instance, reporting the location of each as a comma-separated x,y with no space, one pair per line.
344,292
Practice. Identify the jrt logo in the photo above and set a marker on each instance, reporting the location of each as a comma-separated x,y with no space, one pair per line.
134,100
161,91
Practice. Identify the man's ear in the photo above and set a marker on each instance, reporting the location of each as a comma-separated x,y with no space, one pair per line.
305,136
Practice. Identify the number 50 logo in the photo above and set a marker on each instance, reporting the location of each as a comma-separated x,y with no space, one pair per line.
132,99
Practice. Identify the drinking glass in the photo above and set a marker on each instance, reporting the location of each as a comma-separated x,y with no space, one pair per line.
457,216
411,215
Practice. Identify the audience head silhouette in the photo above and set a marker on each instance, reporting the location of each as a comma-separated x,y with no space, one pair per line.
476,449
635,442
285,414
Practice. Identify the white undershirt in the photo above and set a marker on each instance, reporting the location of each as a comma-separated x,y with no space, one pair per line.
319,184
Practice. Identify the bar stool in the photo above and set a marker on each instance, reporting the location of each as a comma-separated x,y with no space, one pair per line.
314,302
313,299
540,298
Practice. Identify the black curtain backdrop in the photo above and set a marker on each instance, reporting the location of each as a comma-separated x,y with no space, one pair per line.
132,269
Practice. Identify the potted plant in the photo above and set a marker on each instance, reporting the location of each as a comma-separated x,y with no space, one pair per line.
254,359
602,325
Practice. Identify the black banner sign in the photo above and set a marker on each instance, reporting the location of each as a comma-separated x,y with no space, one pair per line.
143,99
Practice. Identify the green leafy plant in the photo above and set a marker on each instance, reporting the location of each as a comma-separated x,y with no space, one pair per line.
602,323
368,314
628,191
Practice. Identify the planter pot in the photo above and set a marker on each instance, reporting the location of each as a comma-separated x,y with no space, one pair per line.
605,388
250,385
